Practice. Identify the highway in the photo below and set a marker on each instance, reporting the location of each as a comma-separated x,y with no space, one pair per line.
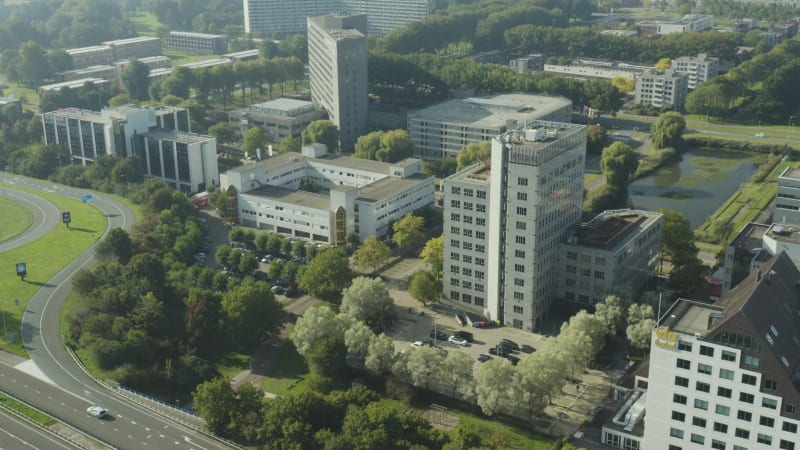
15,434
46,216
131,425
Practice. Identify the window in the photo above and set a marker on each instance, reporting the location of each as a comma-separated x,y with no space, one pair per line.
599,275
706,350
699,422
722,410
519,253
521,225
728,356
681,381
752,361
572,255
748,379
790,427
745,397
455,203
717,445
764,439
701,404
480,234
704,368
481,208
678,398
720,427
480,221
744,415
703,387
724,392
522,196
571,269
680,417
786,445
519,282
519,268
455,190
740,433
684,346
520,240
683,364
739,447
522,211
518,309
519,296
770,385
766,421
522,181
481,194
676,433
698,439
769,403
726,374
674,447
455,217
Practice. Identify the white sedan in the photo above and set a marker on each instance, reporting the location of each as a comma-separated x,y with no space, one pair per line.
96,411
457,341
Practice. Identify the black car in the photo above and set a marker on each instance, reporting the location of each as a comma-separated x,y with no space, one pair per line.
506,348
465,335
510,343
499,351
514,360
440,335
483,357
527,349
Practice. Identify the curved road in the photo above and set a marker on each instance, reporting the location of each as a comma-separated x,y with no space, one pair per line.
132,426
46,216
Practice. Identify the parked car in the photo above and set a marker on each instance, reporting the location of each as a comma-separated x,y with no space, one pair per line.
440,335
278,289
484,357
527,349
417,344
498,351
514,360
457,341
466,335
510,343
96,411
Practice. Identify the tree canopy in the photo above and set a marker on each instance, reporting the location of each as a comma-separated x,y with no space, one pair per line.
327,275
667,130
386,146
472,153
619,163
322,132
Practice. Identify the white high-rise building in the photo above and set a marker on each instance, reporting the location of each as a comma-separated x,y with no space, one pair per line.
337,65
699,69
506,217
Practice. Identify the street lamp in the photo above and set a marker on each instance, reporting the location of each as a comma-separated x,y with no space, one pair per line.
789,131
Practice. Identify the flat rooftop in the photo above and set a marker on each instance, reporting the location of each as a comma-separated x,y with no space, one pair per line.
133,40
288,196
94,48
791,172
690,317
206,63
492,112
385,187
611,229
195,35
278,162
751,236
784,233
73,84
178,136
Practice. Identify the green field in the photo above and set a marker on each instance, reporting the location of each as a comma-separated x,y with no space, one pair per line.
26,411
14,220
44,259
29,97
179,58
146,23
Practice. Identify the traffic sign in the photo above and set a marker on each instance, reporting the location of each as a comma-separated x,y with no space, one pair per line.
66,217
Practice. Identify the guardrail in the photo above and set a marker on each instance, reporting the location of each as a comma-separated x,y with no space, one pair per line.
142,400
47,429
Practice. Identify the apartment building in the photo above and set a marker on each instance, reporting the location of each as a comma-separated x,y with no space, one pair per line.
725,375
447,127
699,69
355,195
279,118
661,89
97,55
74,84
189,42
277,17
616,248
506,217
135,47
104,72
337,66
689,22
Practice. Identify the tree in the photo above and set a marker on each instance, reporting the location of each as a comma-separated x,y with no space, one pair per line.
624,84
251,312
136,79
357,340
473,153
611,313
493,384
619,163
254,138
663,64
596,139
380,354
408,232
316,324
538,378
420,367
327,274
639,333
116,246
367,146
215,400
371,255
395,146
288,144
425,287
368,300
322,132
456,371
667,130
33,65
433,255
223,132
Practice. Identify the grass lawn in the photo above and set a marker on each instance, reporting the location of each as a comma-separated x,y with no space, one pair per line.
45,258
146,23
589,178
14,220
26,411
29,97
288,375
232,363
179,58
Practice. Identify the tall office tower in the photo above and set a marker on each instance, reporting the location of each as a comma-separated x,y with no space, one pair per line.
506,217
337,65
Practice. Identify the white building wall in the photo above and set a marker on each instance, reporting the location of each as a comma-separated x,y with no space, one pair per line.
284,217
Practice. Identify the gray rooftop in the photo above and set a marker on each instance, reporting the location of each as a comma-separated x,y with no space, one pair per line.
94,48
278,162
288,196
178,136
132,40
492,112
195,35
384,188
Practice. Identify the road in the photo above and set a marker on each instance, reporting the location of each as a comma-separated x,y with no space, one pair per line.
133,426
15,434
45,217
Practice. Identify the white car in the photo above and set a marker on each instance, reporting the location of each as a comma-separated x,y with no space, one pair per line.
760,135
96,411
417,344
457,341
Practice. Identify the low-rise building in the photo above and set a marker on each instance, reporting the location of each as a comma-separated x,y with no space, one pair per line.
352,195
189,42
699,69
689,22
185,161
104,72
153,62
529,63
594,68
96,55
619,248
787,198
74,84
244,55
5,101
445,128
662,89
135,47
279,118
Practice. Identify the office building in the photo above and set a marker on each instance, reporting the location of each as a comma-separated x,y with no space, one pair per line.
189,42
104,72
699,69
725,375
506,217
445,128
136,47
616,248
787,199
74,84
97,55
158,137
662,89
354,195
584,68
689,22
529,63
337,66
277,17
279,118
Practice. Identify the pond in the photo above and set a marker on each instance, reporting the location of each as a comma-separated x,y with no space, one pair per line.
696,185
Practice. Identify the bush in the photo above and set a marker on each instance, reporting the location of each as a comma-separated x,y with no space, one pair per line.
399,390
745,146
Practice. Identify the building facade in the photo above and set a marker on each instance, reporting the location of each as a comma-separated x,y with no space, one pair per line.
787,199
185,161
506,217
209,44
337,65
97,55
616,248
699,69
662,89
276,17
445,128
354,195
280,118
726,375
136,47
689,22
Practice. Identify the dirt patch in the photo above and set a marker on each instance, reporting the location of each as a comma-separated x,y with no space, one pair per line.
440,418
